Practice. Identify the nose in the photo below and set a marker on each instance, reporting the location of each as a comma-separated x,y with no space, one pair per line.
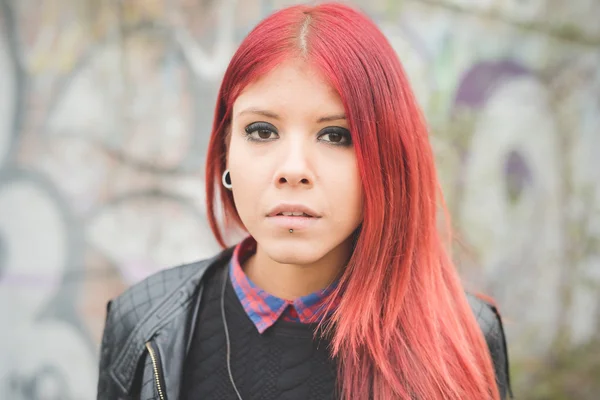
294,168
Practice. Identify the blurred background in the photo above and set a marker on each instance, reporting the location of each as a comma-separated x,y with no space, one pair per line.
105,111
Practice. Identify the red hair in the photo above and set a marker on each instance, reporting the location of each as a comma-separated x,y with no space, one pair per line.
403,328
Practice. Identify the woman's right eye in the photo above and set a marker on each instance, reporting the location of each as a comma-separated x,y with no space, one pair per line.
261,132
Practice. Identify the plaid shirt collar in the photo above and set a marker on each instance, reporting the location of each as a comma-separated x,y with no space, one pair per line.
264,309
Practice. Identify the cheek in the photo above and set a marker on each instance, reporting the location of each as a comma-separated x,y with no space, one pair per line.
344,189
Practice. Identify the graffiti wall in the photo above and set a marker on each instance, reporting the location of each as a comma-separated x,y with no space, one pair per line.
105,111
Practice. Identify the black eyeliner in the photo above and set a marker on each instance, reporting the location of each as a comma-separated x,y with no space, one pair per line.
343,132
260,126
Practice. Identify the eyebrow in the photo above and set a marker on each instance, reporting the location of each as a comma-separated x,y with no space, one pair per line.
270,114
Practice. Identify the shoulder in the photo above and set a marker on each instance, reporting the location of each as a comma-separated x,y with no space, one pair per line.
487,316
140,300
490,323
138,312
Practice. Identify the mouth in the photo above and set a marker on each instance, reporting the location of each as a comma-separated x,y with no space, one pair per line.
296,221
293,211
293,214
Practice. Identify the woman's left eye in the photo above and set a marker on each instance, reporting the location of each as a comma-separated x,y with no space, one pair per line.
336,136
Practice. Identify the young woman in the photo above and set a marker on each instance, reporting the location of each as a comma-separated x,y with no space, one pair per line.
343,287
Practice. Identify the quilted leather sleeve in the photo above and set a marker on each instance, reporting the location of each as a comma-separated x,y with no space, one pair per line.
122,314
106,389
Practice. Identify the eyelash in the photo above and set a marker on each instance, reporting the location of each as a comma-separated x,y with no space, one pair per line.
266,127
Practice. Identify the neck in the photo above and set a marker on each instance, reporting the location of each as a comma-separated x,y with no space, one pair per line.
290,281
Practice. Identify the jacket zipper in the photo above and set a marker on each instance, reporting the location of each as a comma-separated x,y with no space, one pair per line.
157,371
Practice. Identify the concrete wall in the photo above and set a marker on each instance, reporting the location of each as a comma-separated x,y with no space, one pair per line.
105,111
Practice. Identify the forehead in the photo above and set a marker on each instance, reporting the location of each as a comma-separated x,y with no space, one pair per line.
290,84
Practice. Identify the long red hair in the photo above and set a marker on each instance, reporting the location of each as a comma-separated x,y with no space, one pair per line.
403,328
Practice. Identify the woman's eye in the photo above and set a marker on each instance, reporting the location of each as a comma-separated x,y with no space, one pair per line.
264,134
261,131
334,137
337,136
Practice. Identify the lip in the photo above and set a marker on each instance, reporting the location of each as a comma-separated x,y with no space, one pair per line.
295,223
289,207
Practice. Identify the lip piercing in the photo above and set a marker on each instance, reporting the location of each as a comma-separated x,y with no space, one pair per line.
291,231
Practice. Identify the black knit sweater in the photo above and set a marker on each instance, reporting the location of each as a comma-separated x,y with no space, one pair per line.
285,362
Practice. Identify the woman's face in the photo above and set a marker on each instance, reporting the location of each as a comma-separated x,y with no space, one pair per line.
290,152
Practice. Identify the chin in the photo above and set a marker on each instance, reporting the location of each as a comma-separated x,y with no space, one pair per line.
293,251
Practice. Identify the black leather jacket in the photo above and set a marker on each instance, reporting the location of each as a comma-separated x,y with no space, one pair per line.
148,332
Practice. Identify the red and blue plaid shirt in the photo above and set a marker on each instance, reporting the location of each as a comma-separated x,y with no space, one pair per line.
265,309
